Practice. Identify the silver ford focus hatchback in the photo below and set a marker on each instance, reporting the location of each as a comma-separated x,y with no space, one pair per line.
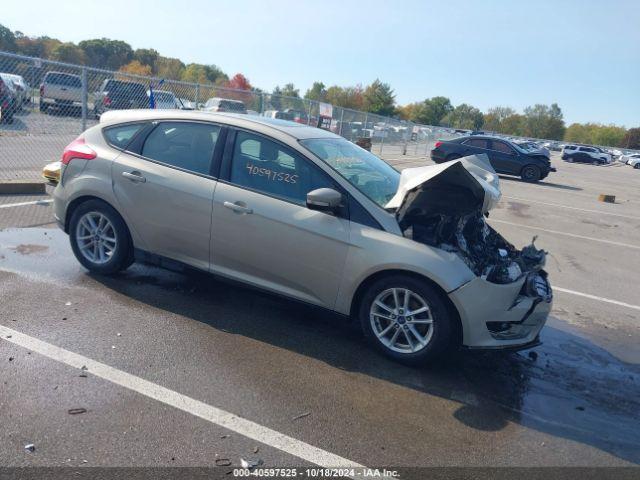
304,213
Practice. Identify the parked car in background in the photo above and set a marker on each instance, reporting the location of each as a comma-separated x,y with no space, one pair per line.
8,99
186,104
585,154
217,104
534,147
298,116
505,156
22,88
634,160
626,158
279,114
409,256
62,91
119,95
164,99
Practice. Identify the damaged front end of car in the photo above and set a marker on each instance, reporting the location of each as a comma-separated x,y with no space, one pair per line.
445,206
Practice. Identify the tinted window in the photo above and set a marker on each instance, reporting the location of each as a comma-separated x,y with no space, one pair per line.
126,88
501,147
63,79
182,144
232,106
120,135
265,166
477,142
587,149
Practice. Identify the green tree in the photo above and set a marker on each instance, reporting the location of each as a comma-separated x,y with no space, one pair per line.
631,139
198,73
68,52
542,121
7,39
317,92
170,68
346,97
105,53
513,125
434,110
411,111
465,116
379,98
495,116
290,90
147,56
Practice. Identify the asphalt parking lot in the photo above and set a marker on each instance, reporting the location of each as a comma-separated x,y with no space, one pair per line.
185,370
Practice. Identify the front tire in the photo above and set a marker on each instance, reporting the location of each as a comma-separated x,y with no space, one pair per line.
406,319
530,173
99,238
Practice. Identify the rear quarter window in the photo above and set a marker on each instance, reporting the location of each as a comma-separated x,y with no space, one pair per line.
120,136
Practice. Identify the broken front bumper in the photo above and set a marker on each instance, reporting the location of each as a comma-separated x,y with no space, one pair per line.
503,315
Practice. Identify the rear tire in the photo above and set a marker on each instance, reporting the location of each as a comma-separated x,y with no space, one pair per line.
530,173
43,107
637,166
381,322
99,238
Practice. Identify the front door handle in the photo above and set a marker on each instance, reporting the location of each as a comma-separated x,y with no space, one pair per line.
238,207
134,176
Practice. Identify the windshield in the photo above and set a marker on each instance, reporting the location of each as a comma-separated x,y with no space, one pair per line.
369,174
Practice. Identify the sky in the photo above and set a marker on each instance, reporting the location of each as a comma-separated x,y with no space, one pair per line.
583,55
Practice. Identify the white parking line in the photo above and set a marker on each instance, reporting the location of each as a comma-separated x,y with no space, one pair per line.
573,235
599,212
177,400
22,204
594,297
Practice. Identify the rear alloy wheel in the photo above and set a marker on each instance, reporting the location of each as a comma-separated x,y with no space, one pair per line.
637,166
405,319
530,173
99,238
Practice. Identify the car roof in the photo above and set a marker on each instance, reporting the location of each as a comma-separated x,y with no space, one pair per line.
293,129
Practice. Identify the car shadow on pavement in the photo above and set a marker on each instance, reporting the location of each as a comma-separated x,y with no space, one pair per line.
542,183
568,387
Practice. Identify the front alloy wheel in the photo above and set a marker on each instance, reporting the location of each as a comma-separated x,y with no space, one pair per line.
406,318
401,319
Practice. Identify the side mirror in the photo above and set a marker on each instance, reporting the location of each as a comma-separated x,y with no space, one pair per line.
324,199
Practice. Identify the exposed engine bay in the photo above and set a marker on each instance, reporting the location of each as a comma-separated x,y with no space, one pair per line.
445,207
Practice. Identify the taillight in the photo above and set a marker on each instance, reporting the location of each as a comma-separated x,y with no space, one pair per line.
106,101
42,90
77,149
437,144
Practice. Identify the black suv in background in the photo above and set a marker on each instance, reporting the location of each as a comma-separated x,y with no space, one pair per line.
118,95
506,157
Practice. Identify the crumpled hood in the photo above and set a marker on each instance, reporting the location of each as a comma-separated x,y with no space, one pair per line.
473,174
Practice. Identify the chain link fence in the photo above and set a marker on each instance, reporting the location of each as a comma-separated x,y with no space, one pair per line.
46,104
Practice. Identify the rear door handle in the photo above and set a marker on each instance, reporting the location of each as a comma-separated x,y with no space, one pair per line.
236,207
134,176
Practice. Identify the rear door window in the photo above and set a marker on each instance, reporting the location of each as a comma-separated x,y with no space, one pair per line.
501,147
120,136
477,142
186,145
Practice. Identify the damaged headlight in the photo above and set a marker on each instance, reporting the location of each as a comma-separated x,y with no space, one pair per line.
538,286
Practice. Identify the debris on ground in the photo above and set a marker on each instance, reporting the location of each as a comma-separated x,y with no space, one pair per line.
256,449
250,463
76,411
224,436
580,408
11,359
223,462
302,415
118,334
68,304
84,369
30,447
8,336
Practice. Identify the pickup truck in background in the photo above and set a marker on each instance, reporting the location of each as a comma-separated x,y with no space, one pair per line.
62,91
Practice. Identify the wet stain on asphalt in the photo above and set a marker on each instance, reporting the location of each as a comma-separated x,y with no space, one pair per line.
28,249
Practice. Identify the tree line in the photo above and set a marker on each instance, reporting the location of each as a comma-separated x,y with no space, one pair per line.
537,121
